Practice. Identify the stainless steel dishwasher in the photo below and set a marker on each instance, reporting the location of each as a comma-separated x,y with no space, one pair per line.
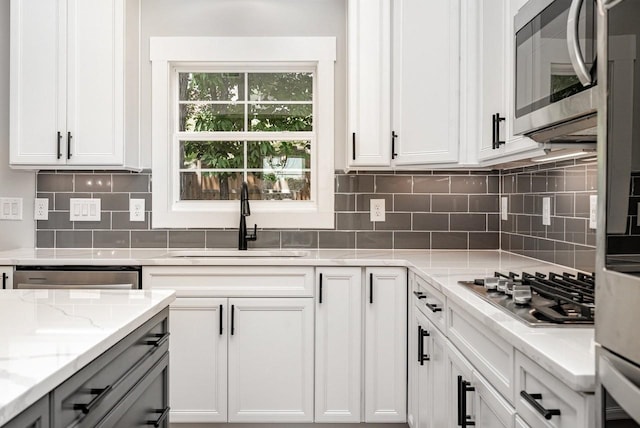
78,277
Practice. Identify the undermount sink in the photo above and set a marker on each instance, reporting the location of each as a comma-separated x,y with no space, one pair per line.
237,253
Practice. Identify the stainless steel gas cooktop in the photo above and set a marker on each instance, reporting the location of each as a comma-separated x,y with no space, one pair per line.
541,300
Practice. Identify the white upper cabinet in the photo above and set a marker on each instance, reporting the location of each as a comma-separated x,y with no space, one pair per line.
403,83
426,81
74,90
492,77
369,83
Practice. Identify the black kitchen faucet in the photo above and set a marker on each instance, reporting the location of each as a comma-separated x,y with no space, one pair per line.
245,211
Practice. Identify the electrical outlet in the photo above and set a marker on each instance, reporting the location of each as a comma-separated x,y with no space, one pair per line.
84,209
41,209
593,211
10,208
377,210
546,211
504,208
136,209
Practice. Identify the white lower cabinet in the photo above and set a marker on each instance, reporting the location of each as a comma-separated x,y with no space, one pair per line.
198,360
492,411
270,360
460,375
385,345
338,344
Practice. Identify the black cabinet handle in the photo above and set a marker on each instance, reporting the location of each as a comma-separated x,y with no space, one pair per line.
419,294
393,144
161,339
101,394
221,320
533,400
353,143
69,137
233,310
496,143
433,307
59,143
320,291
463,388
423,357
163,415
4,280
419,343
370,288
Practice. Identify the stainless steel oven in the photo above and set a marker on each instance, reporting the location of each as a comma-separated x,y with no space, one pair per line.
555,71
78,277
618,235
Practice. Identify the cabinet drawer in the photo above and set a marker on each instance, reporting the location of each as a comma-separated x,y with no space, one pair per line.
491,355
146,404
432,303
535,385
36,416
86,397
231,281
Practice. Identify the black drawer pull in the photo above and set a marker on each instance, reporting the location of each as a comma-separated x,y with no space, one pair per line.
370,288
419,294
434,308
464,420
320,291
423,357
233,313
220,319
162,337
101,394
4,280
69,137
163,415
533,400
59,141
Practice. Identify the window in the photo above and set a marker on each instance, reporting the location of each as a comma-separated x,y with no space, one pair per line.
228,110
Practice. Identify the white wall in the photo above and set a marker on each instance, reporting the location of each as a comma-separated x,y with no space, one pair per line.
13,234
244,18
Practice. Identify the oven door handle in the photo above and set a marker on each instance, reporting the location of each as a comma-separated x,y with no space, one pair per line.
621,389
575,54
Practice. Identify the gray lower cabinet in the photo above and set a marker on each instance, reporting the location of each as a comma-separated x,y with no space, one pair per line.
36,416
126,386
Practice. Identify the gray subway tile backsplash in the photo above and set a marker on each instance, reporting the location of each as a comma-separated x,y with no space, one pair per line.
425,209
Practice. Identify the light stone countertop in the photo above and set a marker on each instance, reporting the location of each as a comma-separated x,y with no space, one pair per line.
46,336
568,353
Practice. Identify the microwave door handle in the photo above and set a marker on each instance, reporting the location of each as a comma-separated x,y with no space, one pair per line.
625,392
575,54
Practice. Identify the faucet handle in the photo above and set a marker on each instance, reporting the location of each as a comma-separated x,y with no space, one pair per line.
253,236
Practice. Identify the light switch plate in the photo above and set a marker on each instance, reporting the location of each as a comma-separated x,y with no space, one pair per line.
593,211
10,208
377,210
84,209
136,209
41,209
504,208
546,211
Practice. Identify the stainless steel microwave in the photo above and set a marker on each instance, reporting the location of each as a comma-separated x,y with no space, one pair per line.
555,71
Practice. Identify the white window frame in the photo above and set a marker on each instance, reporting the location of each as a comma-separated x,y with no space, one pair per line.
169,53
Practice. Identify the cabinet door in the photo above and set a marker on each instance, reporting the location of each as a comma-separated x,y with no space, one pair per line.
458,370
413,360
95,106
492,411
271,360
369,83
438,377
6,277
426,81
385,357
495,80
38,81
198,351
425,382
338,344
36,416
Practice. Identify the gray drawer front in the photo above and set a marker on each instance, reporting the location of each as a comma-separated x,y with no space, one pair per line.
36,416
147,403
110,376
